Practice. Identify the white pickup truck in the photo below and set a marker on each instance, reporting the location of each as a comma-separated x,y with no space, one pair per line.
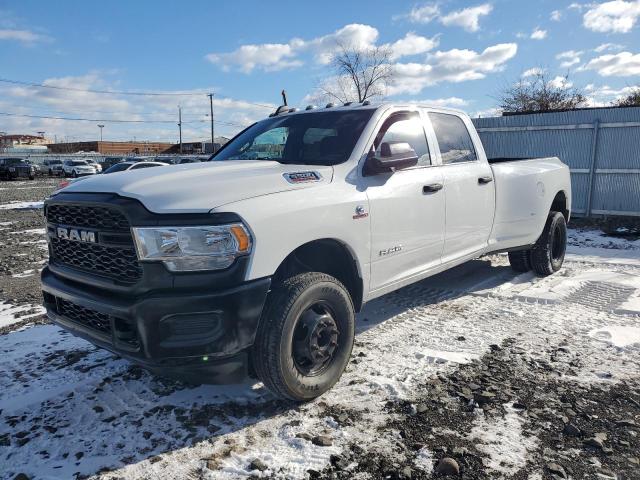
257,261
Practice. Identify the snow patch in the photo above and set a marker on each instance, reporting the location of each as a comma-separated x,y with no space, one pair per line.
424,460
21,205
502,440
619,336
10,314
25,273
32,231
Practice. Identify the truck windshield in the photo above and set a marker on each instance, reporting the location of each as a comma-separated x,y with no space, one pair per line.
314,138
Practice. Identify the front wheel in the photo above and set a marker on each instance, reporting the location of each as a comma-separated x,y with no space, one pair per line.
305,336
74,174
547,255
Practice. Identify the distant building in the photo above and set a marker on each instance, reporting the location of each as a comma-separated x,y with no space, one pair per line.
22,143
199,148
111,148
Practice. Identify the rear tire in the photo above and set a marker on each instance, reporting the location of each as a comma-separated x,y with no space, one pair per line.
305,337
520,260
547,255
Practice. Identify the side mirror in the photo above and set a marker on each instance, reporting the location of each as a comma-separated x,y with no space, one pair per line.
392,156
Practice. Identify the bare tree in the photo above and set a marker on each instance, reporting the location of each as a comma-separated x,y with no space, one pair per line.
359,74
538,93
631,100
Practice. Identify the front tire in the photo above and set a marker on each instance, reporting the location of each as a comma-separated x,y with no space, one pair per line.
305,336
74,174
547,255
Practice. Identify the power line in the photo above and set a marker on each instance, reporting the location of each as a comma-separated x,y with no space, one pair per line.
112,120
53,111
121,92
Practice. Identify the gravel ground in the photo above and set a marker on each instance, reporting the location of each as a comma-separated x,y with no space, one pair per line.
23,249
475,373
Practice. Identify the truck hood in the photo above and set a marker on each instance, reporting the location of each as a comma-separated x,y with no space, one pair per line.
200,187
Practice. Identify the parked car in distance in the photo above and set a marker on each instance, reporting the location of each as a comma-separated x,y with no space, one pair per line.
94,164
125,166
35,166
12,168
110,161
54,167
257,261
188,160
77,168
167,160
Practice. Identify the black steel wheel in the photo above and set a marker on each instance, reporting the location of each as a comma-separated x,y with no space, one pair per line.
305,336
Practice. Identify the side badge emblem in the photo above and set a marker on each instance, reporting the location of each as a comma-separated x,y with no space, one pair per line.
360,213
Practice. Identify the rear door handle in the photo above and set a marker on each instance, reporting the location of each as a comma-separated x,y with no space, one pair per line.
483,180
432,187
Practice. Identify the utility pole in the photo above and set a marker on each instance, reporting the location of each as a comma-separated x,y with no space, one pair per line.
180,125
101,127
213,138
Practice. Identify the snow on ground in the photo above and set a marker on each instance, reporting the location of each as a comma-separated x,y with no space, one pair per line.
503,442
10,314
21,205
68,407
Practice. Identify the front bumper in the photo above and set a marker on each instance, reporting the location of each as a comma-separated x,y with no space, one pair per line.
199,336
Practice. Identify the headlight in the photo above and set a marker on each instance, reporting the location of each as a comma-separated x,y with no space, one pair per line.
193,248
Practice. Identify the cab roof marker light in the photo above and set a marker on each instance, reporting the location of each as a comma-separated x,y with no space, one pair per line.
329,105
310,107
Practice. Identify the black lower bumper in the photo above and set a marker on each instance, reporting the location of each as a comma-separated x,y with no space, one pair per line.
200,337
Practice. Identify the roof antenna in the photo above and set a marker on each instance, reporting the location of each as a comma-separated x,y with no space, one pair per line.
284,97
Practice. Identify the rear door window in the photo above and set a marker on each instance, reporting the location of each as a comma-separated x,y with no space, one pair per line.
453,138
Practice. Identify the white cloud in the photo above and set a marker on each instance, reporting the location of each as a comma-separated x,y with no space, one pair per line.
604,95
623,64
278,56
532,72
608,46
617,16
468,18
54,102
560,82
424,14
569,58
23,36
538,34
268,56
450,66
556,15
444,102
412,44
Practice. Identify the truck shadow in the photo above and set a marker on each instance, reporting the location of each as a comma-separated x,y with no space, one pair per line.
105,413
476,277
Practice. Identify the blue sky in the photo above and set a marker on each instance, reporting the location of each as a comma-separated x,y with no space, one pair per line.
448,52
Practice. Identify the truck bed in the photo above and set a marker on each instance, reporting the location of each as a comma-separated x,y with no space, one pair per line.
525,188
510,159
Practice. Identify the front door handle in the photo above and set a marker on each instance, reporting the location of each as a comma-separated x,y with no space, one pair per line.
432,187
484,180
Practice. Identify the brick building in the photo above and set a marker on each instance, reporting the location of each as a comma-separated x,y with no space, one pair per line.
111,148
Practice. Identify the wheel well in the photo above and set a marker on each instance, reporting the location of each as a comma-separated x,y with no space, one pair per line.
559,204
327,256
